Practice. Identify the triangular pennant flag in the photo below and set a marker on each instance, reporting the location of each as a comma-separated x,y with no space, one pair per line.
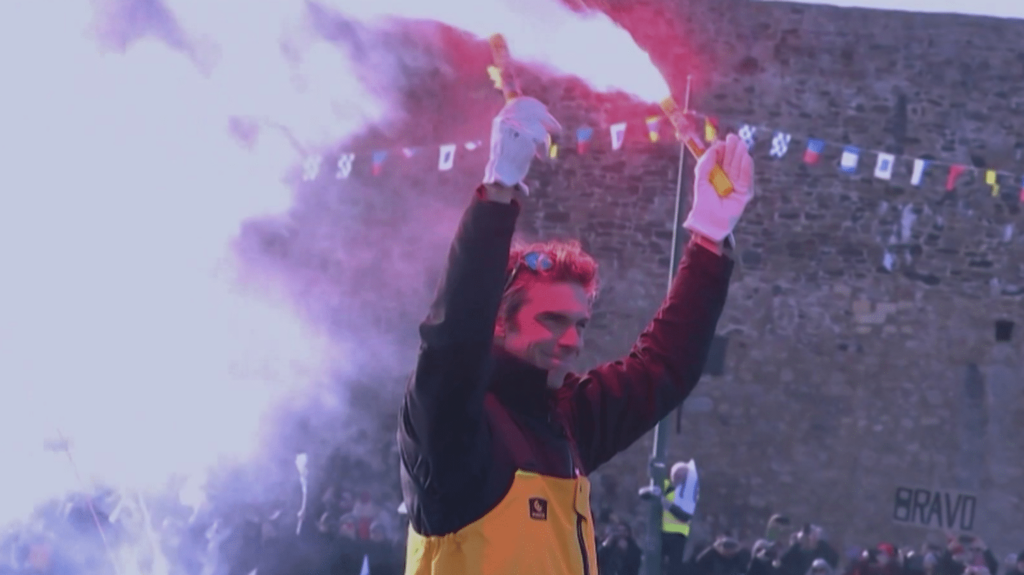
780,144
553,151
710,128
378,161
653,127
583,136
746,134
365,570
919,168
408,152
992,179
888,260
813,152
447,157
954,173
848,163
344,167
311,168
884,166
618,135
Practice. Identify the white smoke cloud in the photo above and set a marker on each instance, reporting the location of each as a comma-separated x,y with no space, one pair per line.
122,322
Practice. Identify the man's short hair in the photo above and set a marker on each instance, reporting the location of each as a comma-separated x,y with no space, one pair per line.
568,263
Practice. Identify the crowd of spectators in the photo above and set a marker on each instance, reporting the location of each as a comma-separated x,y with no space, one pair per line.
353,524
806,551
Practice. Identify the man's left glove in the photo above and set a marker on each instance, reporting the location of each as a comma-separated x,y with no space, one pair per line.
712,215
519,132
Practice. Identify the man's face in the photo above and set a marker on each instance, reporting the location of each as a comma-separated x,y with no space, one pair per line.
547,332
778,532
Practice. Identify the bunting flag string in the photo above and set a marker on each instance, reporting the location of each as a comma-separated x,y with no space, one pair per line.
780,142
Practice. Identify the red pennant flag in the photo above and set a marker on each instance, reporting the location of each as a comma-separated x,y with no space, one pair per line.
583,136
954,173
710,128
378,161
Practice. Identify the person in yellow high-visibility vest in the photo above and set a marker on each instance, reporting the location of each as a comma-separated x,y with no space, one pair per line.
679,500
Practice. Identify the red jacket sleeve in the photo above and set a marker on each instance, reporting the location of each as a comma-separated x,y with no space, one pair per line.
613,405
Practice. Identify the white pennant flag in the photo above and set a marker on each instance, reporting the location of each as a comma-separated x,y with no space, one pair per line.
848,162
883,168
780,144
618,135
746,134
311,168
344,166
919,166
447,157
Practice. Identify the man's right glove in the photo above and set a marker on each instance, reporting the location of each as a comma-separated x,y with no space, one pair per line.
519,132
713,216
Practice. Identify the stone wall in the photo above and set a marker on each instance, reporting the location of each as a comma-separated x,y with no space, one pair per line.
845,378
847,374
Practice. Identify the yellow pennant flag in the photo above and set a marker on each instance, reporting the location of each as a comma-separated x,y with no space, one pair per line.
991,179
653,125
553,152
710,131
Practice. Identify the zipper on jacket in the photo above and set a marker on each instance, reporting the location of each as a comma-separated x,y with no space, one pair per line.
583,545
579,518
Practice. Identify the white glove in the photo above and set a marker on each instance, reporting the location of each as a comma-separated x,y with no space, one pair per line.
713,216
519,132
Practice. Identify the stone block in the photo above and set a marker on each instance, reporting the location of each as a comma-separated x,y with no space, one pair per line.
886,307
861,307
874,318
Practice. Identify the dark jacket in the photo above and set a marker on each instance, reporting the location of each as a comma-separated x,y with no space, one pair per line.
711,562
797,560
613,560
459,455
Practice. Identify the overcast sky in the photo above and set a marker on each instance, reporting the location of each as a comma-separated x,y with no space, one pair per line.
999,8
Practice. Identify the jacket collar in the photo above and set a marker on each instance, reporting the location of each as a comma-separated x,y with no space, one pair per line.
519,385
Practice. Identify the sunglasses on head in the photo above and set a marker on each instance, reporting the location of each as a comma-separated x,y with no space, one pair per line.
536,261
